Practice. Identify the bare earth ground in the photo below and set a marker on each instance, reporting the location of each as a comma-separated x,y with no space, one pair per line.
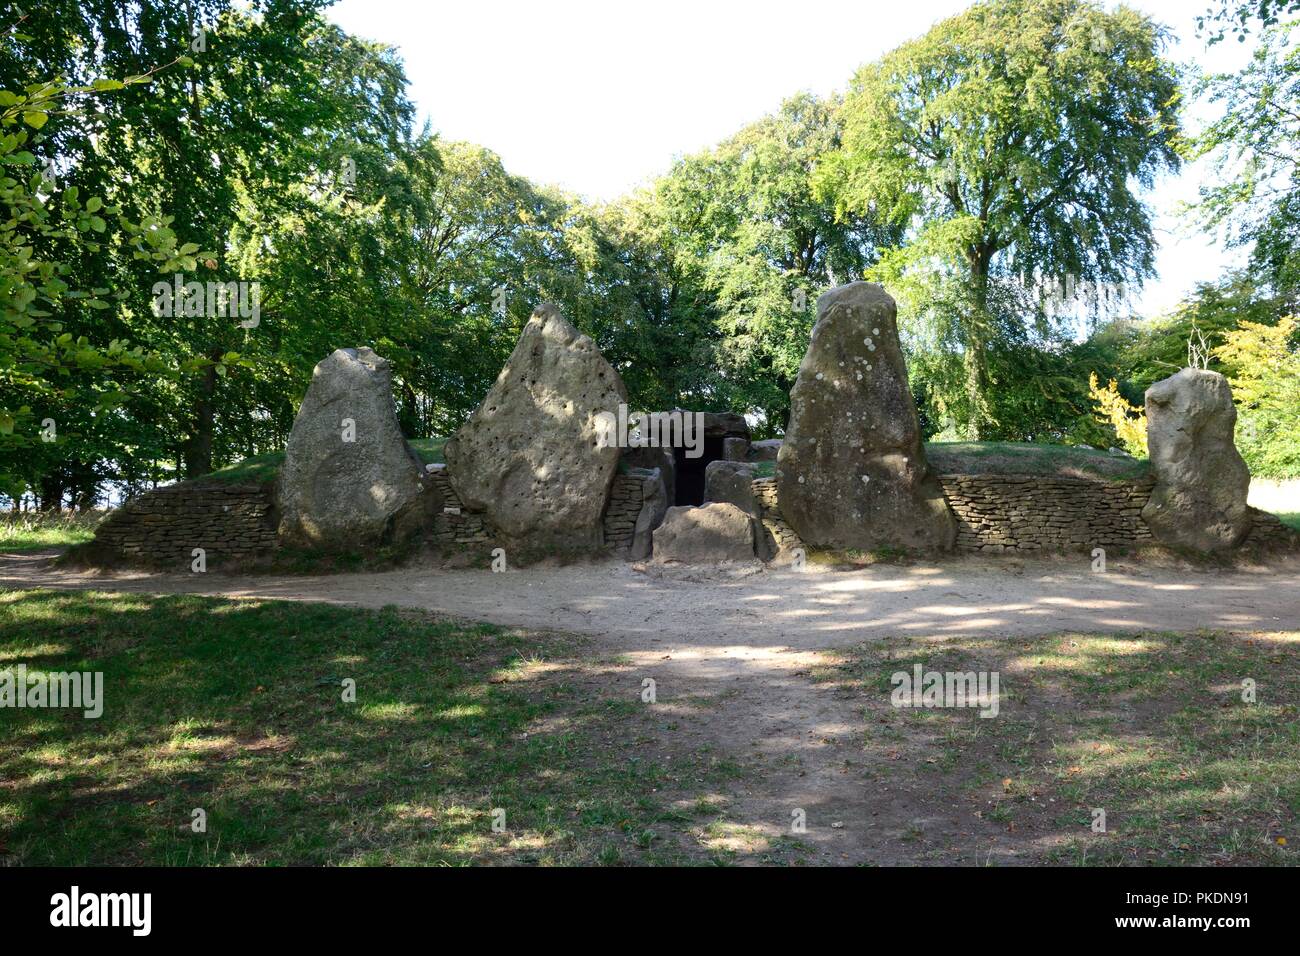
740,657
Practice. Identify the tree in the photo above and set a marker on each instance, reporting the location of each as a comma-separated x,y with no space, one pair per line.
1237,16
1263,366
746,221
54,381
1254,198
1012,141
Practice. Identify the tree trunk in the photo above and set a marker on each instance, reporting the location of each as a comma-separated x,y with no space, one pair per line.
52,494
975,343
198,444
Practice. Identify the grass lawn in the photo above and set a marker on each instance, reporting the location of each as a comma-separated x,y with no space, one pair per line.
1280,497
235,707
1151,728
34,531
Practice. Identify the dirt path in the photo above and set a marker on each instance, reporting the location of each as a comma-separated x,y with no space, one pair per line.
744,614
731,652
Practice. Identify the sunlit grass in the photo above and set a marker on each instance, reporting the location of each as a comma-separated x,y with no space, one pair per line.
1158,730
237,708
32,531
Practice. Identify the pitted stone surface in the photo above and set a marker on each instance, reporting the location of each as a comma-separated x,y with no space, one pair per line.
530,457
349,478
1199,500
852,471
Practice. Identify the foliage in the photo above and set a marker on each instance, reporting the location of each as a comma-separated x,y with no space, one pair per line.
974,171
1113,409
1255,193
1263,366
757,243
1239,15
1010,139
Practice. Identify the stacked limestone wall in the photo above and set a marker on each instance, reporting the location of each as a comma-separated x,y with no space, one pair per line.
780,536
1019,513
1268,532
997,513
232,523
626,499
236,523
456,525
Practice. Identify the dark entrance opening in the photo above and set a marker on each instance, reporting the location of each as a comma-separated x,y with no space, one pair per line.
690,471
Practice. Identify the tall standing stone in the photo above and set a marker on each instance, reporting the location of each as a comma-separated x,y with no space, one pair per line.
1199,500
531,457
350,480
852,472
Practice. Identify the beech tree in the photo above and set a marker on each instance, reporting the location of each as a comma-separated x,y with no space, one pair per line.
1012,140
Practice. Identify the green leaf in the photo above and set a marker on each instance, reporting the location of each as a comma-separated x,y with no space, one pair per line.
36,120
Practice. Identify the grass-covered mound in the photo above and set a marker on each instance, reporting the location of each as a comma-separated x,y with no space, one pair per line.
967,458
264,467
1029,458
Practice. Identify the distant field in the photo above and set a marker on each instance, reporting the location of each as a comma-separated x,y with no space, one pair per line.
1280,497
33,531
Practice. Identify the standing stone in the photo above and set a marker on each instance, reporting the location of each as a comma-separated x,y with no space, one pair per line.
349,478
735,449
651,458
732,481
765,450
654,505
1199,500
531,456
852,472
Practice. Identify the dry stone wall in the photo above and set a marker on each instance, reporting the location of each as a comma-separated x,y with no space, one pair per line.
777,535
232,523
456,524
997,513
235,524
626,498
1018,513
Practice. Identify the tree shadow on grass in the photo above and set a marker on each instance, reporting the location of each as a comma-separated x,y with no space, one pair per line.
237,708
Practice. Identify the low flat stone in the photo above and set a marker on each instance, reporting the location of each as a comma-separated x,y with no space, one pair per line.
707,534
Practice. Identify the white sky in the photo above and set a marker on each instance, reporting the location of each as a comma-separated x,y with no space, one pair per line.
598,97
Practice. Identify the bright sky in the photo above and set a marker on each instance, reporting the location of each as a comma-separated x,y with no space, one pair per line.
598,97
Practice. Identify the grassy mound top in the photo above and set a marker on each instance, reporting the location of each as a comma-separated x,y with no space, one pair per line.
1028,458
947,458
264,467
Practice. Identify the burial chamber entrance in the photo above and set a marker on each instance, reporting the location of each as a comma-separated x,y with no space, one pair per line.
690,471
723,436
719,428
